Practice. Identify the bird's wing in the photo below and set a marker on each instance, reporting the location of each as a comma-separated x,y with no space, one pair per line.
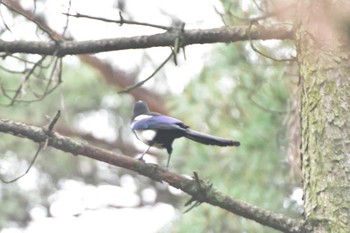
157,122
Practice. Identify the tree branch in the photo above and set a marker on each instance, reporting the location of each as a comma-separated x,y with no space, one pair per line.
112,74
215,35
198,189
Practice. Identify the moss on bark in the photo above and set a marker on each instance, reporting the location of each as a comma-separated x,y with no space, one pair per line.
323,56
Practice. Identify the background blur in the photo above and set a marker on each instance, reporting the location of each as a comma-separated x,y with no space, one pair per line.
228,90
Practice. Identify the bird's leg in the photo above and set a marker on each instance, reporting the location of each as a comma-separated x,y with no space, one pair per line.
169,149
141,158
167,164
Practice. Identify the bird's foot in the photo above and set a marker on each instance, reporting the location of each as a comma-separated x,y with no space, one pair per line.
141,159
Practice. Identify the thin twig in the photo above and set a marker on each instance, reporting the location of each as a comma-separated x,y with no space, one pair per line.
266,15
45,29
196,204
3,20
273,13
20,88
268,56
132,87
52,75
178,43
60,68
198,199
261,53
264,108
257,6
57,64
28,169
251,94
53,121
120,22
41,145
67,19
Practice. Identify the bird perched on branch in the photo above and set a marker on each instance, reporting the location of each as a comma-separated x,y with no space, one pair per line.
160,131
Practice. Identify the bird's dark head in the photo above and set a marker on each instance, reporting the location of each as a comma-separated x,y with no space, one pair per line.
140,108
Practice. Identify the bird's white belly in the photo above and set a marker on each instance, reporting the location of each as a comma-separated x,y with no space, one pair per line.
145,136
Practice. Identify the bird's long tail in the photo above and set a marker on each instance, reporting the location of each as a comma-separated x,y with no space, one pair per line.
209,139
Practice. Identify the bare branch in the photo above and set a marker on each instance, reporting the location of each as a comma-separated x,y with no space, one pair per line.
53,122
136,85
215,35
112,74
12,5
51,82
28,75
41,146
190,186
120,22
265,55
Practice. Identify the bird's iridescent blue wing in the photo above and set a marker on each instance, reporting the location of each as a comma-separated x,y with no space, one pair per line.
158,122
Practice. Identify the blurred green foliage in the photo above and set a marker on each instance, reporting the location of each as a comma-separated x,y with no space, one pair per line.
81,93
244,96
236,98
239,95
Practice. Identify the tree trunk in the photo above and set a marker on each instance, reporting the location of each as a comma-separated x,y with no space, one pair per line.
324,60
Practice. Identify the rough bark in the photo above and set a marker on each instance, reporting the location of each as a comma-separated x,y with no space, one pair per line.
188,37
200,190
324,59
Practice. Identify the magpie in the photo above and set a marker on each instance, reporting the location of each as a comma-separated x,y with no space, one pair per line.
160,131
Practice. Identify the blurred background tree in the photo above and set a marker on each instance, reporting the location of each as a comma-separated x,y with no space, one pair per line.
240,91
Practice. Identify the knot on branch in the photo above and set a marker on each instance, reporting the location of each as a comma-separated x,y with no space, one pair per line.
200,193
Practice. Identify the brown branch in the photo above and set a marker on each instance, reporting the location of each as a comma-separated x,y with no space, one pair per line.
41,146
119,144
121,21
50,82
111,74
114,76
27,77
16,7
215,35
198,189
138,84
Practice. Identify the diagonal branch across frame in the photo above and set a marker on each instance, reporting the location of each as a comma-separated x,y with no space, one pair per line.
211,196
